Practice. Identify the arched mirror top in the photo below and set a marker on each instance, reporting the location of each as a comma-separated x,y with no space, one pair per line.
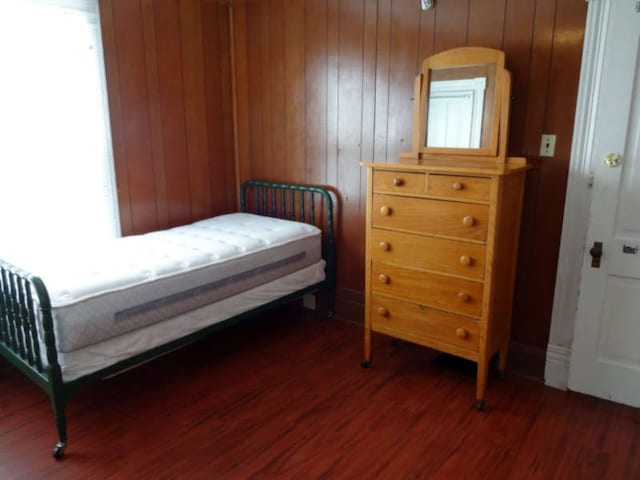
462,105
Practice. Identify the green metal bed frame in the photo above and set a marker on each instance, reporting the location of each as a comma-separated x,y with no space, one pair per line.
24,300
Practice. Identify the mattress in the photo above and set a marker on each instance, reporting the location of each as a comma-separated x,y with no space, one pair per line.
107,290
92,358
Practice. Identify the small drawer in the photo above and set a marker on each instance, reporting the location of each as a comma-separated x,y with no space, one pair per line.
398,182
428,253
423,325
464,188
466,221
454,295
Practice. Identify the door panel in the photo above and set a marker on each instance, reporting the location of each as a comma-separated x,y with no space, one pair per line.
605,359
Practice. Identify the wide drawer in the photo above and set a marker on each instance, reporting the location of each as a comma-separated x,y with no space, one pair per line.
467,221
428,253
423,325
398,182
459,187
445,293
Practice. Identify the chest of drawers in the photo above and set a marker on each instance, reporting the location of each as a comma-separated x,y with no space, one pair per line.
440,258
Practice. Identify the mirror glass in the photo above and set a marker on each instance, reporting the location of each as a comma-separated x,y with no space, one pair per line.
460,107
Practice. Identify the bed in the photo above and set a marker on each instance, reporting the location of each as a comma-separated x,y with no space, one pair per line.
146,295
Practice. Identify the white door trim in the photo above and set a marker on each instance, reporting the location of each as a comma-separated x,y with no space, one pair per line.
578,197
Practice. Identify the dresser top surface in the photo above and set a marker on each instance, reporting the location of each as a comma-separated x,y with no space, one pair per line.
450,165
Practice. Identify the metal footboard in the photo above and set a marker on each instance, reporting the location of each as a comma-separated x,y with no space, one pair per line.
25,304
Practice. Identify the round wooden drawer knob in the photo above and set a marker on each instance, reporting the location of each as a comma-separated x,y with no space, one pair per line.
456,186
463,297
383,312
468,221
398,182
462,333
384,246
465,260
385,210
383,278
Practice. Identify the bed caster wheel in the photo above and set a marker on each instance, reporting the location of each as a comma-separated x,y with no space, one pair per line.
479,405
58,451
365,363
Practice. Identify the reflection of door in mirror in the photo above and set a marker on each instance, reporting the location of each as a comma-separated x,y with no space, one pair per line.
455,112
460,107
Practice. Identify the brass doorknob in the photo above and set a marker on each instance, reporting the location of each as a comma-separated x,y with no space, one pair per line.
456,186
384,210
384,246
462,333
398,182
383,312
465,260
468,221
383,278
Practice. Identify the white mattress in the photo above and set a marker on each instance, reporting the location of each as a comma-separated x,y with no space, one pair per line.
103,291
100,355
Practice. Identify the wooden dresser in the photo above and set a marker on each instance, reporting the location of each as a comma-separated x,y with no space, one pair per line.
443,224
440,257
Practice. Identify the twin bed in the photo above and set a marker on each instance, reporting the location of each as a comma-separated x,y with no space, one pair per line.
97,312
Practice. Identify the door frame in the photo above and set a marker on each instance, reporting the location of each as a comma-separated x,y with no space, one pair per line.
578,198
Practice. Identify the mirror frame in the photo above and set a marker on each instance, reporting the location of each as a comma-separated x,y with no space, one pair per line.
497,121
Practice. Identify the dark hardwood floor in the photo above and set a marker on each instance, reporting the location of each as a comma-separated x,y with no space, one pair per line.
284,396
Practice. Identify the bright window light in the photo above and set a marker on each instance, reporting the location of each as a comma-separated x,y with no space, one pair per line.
56,167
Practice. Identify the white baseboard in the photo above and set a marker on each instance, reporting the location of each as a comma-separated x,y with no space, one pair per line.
556,372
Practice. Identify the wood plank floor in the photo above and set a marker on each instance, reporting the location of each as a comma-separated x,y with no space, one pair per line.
285,397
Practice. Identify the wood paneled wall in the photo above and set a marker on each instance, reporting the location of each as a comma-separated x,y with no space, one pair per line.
324,84
321,85
169,86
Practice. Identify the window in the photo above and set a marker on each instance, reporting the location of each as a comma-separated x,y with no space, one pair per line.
56,168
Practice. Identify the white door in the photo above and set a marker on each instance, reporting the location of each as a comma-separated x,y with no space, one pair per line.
605,359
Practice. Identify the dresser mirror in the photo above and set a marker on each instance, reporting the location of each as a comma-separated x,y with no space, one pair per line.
462,105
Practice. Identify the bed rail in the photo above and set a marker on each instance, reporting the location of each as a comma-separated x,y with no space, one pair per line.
303,203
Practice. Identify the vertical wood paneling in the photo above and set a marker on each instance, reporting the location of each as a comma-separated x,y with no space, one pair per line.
215,28
138,160
529,263
264,97
195,108
405,17
518,35
315,23
155,113
332,98
115,110
452,22
173,110
358,60
294,41
278,90
259,170
350,73
486,23
158,77
382,74
319,86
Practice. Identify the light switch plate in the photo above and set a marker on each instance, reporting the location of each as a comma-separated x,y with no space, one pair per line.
547,145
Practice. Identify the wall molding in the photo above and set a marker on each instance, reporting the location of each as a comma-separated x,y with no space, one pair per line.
556,371
578,197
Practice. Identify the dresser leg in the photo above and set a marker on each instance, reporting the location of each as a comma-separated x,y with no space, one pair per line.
481,383
366,362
